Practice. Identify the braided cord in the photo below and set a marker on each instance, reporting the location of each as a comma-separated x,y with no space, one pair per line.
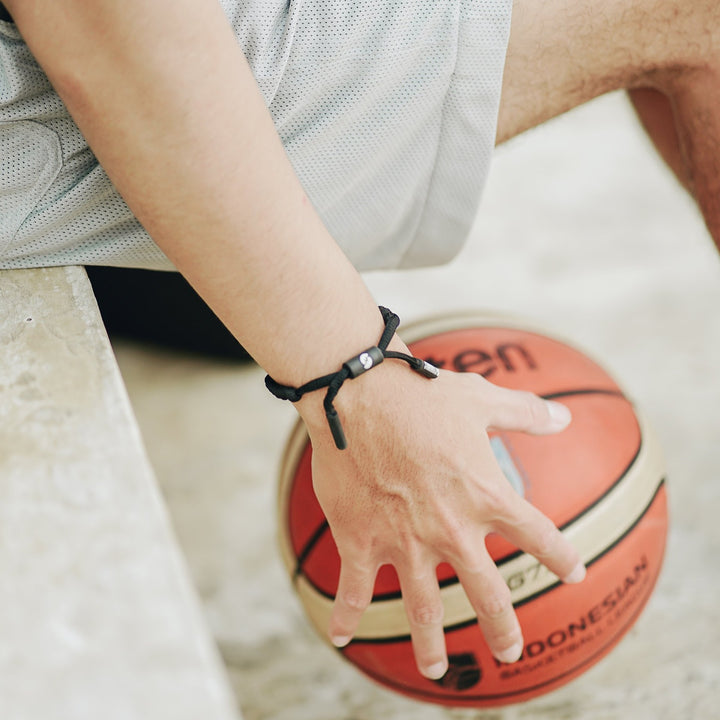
355,366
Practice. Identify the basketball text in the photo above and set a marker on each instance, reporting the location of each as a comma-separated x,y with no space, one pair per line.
506,357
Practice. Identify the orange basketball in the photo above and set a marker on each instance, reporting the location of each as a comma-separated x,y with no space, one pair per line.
601,481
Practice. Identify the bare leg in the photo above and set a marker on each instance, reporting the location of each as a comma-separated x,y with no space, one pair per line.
685,129
696,102
562,54
655,111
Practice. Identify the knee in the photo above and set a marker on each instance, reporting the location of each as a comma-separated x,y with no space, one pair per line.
685,45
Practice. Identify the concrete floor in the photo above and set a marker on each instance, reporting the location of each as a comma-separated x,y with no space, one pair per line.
581,229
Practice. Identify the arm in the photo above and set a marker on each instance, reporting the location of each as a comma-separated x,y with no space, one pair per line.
167,102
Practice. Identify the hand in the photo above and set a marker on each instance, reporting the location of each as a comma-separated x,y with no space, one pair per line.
419,485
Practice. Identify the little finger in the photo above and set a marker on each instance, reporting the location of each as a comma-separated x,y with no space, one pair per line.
354,594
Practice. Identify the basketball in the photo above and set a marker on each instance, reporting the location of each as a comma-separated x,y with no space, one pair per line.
601,481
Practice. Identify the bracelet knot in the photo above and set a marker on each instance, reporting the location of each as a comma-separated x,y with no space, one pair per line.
352,368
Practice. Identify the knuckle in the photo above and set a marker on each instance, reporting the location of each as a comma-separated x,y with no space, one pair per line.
531,410
495,501
353,601
426,615
546,539
355,551
506,639
495,604
454,538
475,384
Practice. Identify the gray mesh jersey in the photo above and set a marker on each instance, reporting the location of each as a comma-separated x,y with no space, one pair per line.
387,109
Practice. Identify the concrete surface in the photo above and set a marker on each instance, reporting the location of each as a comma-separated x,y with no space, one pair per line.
583,230
98,616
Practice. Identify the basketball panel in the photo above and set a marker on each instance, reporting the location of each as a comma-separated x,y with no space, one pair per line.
567,630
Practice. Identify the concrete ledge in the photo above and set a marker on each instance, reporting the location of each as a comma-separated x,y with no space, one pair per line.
98,618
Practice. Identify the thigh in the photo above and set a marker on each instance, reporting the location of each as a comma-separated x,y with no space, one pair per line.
563,53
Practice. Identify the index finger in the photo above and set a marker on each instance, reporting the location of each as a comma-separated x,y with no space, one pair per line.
532,531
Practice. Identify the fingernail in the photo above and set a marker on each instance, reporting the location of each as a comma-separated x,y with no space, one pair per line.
511,654
340,640
559,414
576,575
435,671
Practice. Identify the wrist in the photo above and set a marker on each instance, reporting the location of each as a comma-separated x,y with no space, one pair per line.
388,348
311,408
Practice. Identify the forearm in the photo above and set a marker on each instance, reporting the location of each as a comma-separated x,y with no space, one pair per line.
167,102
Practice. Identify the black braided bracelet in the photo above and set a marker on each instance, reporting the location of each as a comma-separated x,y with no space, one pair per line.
355,366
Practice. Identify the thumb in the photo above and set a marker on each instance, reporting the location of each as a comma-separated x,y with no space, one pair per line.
524,411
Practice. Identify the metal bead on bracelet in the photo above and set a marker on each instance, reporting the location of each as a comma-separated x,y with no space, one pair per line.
352,368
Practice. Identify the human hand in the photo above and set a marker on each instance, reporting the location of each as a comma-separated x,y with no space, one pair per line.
419,485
